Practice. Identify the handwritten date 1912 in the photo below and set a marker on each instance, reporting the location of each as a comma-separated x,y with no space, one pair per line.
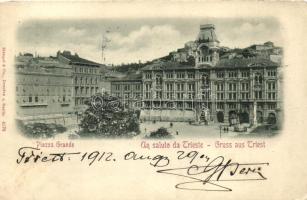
32,154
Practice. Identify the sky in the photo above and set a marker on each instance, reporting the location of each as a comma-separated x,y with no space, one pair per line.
139,39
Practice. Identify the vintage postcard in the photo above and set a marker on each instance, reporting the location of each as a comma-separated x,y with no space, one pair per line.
153,101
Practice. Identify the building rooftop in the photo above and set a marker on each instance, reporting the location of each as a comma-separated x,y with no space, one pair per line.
207,26
168,65
245,62
129,77
225,63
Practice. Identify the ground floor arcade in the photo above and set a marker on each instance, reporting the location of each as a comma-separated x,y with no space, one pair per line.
220,112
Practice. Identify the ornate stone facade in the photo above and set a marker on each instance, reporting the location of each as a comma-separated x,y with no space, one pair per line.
236,90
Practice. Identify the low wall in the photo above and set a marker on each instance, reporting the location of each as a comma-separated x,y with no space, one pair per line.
168,115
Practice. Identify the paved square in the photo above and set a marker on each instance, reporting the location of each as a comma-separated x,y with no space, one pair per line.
185,130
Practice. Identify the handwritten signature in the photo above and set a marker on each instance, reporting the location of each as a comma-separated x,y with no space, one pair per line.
206,176
209,176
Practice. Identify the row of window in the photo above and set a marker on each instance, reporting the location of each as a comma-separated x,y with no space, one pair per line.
49,91
219,86
271,73
205,59
180,75
85,70
205,95
190,105
244,86
37,99
43,80
219,74
135,95
179,95
128,87
244,74
86,90
82,80
170,105
270,106
232,74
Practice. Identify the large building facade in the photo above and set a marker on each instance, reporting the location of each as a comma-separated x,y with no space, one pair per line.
44,88
239,90
86,78
236,90
56,87
129,90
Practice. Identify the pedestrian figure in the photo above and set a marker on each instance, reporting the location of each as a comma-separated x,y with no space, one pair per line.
227,129
224,129
177,133
171,124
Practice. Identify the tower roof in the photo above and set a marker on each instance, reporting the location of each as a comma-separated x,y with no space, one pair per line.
207,33
207,26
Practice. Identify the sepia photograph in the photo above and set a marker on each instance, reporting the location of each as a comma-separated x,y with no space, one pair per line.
149,78
150,100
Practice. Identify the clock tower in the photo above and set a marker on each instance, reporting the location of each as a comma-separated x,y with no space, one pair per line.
207,46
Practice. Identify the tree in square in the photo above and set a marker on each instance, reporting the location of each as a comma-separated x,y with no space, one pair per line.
106,116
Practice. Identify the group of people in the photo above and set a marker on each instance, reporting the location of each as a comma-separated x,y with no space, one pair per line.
225,129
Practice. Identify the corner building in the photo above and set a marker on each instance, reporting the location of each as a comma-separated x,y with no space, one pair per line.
54,89
44,89
237,90
86,77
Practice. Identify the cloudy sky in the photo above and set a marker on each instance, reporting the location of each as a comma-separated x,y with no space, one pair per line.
132,40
